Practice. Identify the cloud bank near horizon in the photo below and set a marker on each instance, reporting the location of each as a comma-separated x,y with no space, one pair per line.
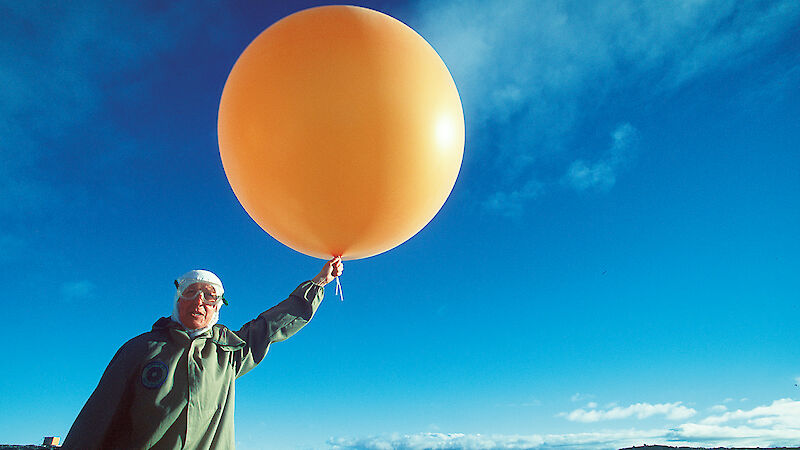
775,424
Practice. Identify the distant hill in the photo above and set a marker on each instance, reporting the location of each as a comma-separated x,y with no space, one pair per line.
24,447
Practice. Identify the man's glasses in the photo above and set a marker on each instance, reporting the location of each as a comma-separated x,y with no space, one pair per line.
209,297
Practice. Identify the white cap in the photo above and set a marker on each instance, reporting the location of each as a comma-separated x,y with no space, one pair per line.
199,276
186,280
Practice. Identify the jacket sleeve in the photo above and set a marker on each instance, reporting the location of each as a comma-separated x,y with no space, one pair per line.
99,421
277,324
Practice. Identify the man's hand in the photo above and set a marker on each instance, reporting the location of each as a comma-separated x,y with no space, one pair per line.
330,270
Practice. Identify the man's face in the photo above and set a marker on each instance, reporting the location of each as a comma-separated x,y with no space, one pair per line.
194,313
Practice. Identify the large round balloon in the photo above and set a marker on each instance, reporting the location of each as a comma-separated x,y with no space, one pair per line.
341,131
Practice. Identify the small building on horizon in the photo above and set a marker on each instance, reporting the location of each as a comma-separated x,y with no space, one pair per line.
52,441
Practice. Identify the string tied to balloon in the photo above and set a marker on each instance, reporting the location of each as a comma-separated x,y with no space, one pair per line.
339,291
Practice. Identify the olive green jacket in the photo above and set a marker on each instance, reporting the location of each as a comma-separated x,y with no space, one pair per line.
163,390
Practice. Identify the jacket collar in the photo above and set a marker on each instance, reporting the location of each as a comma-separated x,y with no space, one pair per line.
165,323
220,334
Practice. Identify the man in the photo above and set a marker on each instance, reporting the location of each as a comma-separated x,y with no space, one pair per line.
173,387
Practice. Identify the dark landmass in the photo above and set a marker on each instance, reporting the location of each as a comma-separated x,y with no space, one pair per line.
24,447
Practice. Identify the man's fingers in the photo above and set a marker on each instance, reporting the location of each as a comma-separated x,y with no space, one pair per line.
335,266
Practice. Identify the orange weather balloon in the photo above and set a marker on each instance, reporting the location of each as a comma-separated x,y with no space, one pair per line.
341,131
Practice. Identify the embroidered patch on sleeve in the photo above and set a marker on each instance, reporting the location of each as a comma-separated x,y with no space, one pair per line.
154,374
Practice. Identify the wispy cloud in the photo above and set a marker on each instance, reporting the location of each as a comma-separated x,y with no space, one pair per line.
579,397
777,424
672,411
78,290
533,74
602,174
511,203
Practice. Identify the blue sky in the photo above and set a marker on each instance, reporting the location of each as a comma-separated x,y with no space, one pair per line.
617,264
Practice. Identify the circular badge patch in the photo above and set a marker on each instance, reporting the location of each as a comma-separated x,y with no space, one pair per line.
154,374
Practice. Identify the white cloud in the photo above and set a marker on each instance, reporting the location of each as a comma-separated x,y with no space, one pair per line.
741,435
531,74
672,411
783,413
718,408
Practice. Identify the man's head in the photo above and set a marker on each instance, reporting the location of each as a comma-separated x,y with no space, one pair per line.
198,304
198,300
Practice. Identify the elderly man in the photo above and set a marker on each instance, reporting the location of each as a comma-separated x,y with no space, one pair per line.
173,387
